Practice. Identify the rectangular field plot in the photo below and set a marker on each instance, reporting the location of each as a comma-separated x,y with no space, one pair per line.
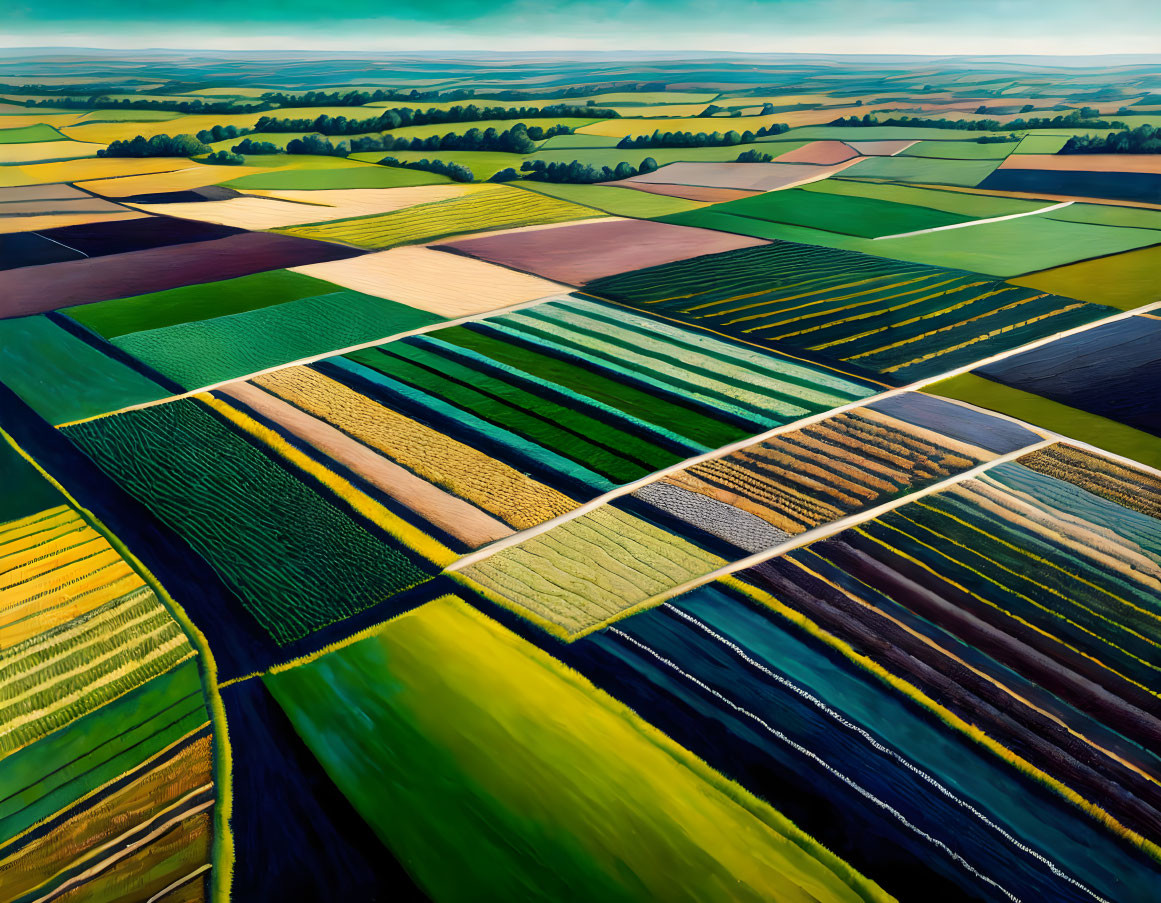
760,496
227,493
491,207
902,321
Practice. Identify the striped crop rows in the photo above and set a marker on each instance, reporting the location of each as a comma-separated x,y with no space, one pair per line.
904,321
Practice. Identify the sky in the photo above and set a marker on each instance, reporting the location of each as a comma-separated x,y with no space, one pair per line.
830,26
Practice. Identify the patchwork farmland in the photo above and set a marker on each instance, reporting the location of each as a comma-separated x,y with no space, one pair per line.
561,479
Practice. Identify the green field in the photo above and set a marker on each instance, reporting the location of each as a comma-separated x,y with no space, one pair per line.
848,214
959,150
197,302
1099,431
61,377
221,494
923,170
416,758
208,351
30,134
976,206
350,176
613,199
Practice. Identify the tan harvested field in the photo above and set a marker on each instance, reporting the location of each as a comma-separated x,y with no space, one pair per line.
91,168
819,152
242,213
750,176
46,151
349,202
183,175
450,285
451,514
1148,163
491,485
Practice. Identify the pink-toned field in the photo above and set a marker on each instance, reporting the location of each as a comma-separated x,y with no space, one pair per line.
1150,163
579,253
819,152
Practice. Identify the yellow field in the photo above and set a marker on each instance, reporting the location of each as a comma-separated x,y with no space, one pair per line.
57,567
185,176
105,132
489,484
9,224
38,151
443,283
89,168
490,207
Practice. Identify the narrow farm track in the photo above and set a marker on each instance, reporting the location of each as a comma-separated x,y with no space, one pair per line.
978,222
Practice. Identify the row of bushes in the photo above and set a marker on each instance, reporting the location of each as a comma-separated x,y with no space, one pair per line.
401,117
1144,139
701,139
1072,119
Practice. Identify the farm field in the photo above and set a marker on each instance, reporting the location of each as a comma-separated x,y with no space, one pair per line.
746,488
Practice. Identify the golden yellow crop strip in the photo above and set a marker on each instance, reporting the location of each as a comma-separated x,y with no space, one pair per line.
35,523
386,520
944,714
84,545
988,335
875,298
50,614
874,313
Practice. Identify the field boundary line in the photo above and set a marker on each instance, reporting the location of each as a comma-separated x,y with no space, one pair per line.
431,327
978,222
498,545
837,526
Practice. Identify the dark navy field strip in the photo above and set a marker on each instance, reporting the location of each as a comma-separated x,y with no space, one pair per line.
352,379
286,808
673,396
550,391
391,504
107,348
195,586
47,827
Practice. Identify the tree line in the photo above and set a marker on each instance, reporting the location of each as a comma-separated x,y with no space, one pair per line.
1144,139
519,139
701,139
401,117
157,146
99,101
455,171
1071,120
575,172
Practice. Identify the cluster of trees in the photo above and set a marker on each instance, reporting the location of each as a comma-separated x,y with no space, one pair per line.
1144,139
701,139
194,107
576,172
225,158
250,146
455,171
1071,119
997,139
400,117
520,139
754,156
714,110
157,146
358,98
316,145
982,109
222,133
